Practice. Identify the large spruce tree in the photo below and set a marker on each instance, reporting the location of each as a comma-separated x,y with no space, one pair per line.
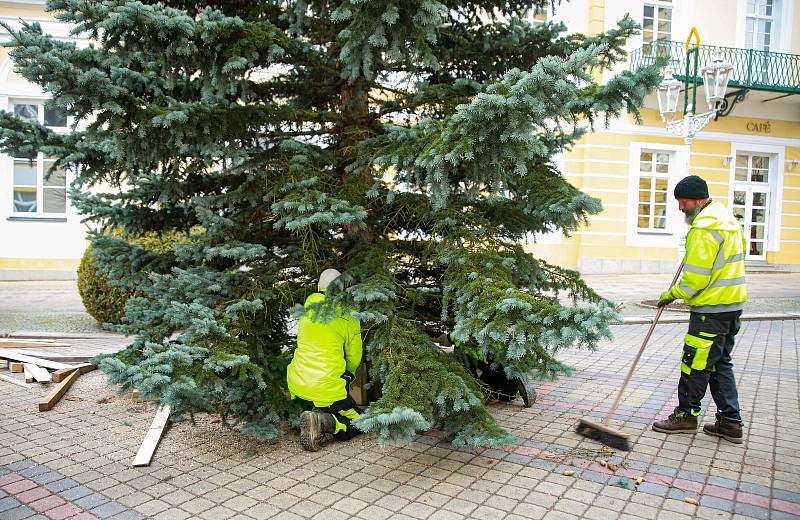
408,144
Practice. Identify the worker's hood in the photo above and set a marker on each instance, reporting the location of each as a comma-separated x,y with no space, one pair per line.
716,217
314,298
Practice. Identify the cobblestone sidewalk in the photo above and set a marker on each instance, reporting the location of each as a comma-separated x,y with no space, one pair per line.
56,307
74,461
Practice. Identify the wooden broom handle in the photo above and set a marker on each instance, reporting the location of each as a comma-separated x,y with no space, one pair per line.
613,409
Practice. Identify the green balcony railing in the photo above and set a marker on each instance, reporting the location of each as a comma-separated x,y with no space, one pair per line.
752,69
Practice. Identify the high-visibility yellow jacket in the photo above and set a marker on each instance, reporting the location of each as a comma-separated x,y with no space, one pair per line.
325,351
713,274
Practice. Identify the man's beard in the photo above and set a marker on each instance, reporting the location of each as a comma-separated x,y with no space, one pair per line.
689,217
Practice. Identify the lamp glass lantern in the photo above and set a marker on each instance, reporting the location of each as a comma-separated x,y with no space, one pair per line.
669,90
715,78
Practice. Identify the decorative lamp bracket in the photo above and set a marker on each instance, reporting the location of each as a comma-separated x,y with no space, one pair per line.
727,106
689,125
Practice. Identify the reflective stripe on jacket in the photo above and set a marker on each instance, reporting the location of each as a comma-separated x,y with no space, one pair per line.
713,277
324,352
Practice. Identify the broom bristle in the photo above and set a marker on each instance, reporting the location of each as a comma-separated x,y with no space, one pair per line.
603,434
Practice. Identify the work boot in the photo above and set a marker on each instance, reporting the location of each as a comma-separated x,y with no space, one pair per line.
526,391
728,430
678,422
314,425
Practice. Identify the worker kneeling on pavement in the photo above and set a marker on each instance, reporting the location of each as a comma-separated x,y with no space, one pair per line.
713,286
324,363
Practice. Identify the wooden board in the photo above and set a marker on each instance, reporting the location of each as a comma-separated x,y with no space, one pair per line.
357,390
25,344
148,447
60,375
15,368
31,340
60,389
9,379
38,373
28,374
14,356
30,343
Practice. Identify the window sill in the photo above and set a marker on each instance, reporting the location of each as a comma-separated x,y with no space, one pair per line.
653,232
36,219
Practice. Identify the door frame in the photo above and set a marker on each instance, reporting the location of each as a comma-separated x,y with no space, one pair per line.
749,189
775,188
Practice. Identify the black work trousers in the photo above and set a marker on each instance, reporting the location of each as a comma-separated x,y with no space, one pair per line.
706,362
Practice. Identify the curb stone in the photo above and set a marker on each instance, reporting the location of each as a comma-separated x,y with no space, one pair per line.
641,320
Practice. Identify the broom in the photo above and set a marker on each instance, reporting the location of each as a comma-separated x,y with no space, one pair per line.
603,432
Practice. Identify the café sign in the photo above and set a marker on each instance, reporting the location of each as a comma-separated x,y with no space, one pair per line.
758,127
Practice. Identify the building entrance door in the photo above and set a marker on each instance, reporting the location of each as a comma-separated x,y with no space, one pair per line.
750,202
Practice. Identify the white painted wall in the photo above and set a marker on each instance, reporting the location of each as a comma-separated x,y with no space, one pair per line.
574,14
37,238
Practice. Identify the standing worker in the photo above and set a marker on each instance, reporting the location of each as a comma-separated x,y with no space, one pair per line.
324,363
713,286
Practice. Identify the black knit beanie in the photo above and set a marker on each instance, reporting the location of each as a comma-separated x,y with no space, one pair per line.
691,187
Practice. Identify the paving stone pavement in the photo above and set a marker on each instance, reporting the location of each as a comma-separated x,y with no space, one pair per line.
55,306
74,461
637,287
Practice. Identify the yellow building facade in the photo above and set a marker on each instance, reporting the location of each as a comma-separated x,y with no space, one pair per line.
749,157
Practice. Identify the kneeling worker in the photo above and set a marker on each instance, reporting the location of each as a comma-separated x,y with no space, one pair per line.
324,363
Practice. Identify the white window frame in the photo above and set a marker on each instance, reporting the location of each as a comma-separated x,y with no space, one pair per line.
41,163
750,155
758,17
670,236
40,168
652,176
656,5
781,35
544,16
13,102
775,183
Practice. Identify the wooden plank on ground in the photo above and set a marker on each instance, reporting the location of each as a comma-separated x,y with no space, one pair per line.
22,358
28,344
38,373
31,340
60,375
28,374
15,368
60,389
148,447
9,379
357,390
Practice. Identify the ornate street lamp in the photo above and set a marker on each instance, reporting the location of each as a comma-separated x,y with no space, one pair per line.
715,79
668,93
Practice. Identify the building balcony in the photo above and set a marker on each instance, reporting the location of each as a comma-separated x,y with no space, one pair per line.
752,69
